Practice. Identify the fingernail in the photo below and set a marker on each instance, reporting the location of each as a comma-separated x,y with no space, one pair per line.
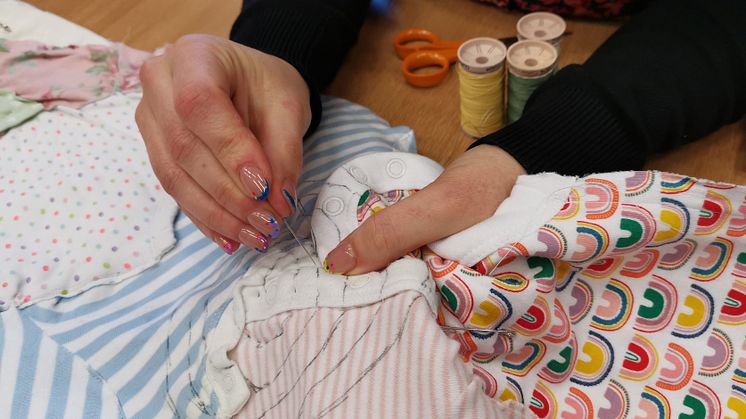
229,246
340,260
254,182
265,223
291,200
251,238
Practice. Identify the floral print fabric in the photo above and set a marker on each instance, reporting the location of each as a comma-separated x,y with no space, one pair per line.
73,76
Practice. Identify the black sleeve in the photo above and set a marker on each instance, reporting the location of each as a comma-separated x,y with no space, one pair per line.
312,35
673,74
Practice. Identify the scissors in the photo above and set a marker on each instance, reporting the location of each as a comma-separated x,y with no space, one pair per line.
420,48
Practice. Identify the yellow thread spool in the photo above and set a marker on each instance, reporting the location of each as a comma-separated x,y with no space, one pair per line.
481,73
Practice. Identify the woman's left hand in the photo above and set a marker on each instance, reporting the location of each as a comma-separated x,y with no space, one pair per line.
467,192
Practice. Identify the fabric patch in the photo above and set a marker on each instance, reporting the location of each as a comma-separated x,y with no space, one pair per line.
631,291
73,76
15,110
605,307
80,203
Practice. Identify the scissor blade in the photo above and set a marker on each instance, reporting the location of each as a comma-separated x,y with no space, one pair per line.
297,240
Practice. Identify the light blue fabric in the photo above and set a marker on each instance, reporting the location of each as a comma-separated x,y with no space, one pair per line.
137,349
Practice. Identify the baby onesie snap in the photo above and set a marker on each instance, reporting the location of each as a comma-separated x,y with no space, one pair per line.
298,341
141,343
627,299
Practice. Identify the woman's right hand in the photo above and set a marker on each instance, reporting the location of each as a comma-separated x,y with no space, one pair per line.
223,125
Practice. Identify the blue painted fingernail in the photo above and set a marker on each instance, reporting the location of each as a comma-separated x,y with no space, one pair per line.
290,198
255,183
266,224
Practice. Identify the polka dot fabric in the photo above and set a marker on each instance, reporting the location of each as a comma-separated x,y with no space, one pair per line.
79,203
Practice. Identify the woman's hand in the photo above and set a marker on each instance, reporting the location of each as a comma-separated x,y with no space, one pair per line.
223,125
468,191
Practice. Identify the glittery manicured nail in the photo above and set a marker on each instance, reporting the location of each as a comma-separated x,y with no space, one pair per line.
265,223
229,246
290,198
340,260
251,238
254,182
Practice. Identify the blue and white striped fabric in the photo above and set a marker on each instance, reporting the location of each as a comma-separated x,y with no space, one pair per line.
137,349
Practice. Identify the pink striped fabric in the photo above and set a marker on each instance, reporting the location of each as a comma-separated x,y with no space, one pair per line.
384,360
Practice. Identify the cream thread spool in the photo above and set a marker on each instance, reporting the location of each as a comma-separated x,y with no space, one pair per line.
530,63
481,73
542,26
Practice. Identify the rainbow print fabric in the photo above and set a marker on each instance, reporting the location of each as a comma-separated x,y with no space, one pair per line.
630,302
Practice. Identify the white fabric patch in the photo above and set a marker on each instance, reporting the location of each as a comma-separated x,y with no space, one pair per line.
26,22
335,215
80,204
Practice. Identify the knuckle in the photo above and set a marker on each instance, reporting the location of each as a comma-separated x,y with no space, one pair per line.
214,219
146,72
224,193
229,149
384,234
170,177
193,100
182,146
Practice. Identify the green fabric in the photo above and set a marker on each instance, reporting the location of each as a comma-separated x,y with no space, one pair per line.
15,110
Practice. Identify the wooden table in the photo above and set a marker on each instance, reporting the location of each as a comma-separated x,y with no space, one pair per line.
371,75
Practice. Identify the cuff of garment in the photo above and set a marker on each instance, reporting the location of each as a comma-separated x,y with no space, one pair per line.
569,127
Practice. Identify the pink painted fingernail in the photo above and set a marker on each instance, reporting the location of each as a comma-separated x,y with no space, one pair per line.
265,223
229,246
256,184
251,238
340,260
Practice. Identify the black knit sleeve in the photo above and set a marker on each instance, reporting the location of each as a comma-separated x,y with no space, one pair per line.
312,35
674,73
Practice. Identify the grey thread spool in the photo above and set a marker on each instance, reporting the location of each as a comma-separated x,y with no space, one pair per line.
542,26
530,63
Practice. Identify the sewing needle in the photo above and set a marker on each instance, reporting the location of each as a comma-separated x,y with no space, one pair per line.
297,240
505,332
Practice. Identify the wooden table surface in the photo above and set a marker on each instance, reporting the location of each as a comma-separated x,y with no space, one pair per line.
371,76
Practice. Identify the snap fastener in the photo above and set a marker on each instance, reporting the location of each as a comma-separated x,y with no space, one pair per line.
358,281
333,206
358,174
396,168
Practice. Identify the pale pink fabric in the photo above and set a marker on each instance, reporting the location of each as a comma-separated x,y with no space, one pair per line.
385,360
72,76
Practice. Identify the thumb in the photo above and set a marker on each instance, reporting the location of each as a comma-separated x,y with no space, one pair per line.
390,233
468,192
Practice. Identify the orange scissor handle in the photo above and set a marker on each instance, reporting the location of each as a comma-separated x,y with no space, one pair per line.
404,47
422,59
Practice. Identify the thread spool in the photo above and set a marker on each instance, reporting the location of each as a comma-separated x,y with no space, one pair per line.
481,72
530,63
542,26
